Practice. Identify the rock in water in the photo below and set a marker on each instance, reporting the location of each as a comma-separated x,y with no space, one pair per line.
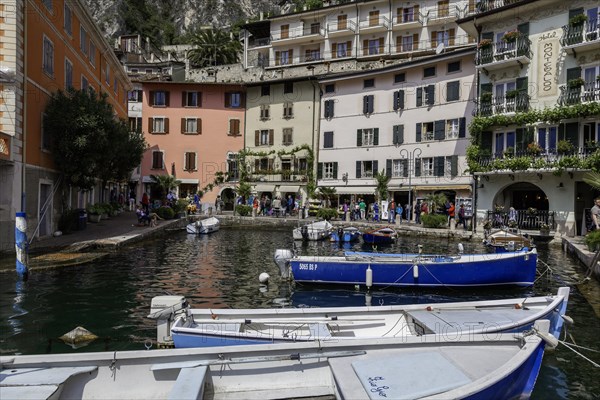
78,337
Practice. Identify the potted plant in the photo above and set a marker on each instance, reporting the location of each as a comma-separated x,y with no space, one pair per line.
509,152
544,229
564,147
485,44
94,212
575,83
510,37
534,149
592,240
577,19
531,211
511,94
486,97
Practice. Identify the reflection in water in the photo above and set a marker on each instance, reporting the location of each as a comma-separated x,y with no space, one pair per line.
112,297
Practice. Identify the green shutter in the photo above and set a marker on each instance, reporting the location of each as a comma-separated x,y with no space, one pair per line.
400,134
405,168
573,73
574,12
419,97
439,130
522,84
524,29
486,141
438,166
430,95
487,36
462,131
375,167
358,169
417,167
335,169
359,138
376,136
320,170
418,132
454,165
388,168
572,133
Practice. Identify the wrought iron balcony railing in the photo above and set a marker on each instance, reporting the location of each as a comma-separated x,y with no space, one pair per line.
526,219
586,32
588,92
496,52
503,105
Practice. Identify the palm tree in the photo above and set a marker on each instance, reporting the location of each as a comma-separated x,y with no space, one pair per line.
213,47
327,193
164,184
437,201
244,189
381,191
592,179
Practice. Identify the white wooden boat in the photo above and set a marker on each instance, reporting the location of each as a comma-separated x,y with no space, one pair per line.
472,366
503,240
319,230
181,326
204,226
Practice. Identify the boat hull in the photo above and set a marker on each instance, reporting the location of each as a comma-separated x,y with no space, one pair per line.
203,227
502,269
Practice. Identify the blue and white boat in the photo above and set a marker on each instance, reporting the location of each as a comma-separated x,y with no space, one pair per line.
382,269
380,236
345,234
500,366
181,326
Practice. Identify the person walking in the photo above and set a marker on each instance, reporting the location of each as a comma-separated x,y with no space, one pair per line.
451,212
392,212
595,212
418,212
461,216
146,202
399,212
363,209
132,200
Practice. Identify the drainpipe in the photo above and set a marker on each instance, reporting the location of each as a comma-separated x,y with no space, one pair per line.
315,116
474,182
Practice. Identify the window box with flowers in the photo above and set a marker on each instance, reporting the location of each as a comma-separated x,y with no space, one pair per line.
577,19
544,229
485,44
564,147
511,37
575,83
486,97
511,94
534,149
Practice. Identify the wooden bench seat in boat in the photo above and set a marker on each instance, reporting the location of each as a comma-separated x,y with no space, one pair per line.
190,381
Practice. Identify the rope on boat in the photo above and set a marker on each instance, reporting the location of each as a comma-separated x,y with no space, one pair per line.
570,347
547,272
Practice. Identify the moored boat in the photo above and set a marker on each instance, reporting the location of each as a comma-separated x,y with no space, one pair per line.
401,269
475,366
503,240
380,236
182,326
345,234
204,226
319,230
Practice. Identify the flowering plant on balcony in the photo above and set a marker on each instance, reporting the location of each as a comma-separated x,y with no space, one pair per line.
544,227
511,36
578,19
564,147
511,94
486,97
531,211
534,149
575,83
498,208
512,223
485,44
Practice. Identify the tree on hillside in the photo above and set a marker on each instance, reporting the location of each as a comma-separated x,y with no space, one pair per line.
213,47
87,142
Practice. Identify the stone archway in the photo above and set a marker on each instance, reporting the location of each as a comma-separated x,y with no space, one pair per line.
521,196
228,196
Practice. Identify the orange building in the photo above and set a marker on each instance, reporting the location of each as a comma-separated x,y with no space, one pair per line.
194,131
47,45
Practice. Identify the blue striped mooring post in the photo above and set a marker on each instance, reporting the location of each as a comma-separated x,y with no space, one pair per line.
21,244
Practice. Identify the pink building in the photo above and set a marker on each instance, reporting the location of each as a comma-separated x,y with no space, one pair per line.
194,131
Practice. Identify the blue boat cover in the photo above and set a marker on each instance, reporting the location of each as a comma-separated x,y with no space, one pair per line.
410,376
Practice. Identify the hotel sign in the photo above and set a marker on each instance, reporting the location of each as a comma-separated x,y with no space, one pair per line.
547,64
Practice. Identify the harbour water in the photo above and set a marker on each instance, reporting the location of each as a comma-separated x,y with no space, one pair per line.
112,297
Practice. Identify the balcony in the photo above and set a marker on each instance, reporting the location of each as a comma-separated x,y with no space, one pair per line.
374,24
441,15
423,46
258,42
299,34
490,5
588,92
341,28
581,37
530,219
502,105
499,55
407,21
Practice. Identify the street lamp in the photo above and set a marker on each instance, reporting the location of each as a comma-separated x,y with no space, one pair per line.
410,157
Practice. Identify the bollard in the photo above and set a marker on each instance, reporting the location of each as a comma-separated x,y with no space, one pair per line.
21,245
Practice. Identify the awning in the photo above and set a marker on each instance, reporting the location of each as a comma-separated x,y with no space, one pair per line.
289,189
444,187
189,181
264,188
147,179
355,190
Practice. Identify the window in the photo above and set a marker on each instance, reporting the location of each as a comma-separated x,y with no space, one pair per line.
264,112
283,58
265,137
135,96
232,167
504,98
445,38
68,74
330,88
288,110
327,140
397,134
400,168
159,98
341,50
368,83
234,100
328,109
190,161
135,124
234,127
452,128
547,138
288,87
315,28
342,22
366,169
46,143
399,78
453,91
374,18
368,104
115,84
149,71
288,136
134,70
425,95
453,66
48,4
68,24
92,53
263,164
330,170
192,99
191,126
83,40
428,72
157,160
159,125
265,90
504,141
48,56
399,100
107,74
443,8
407,43
375,46
367,137
427,166
285,31
85,84
424,132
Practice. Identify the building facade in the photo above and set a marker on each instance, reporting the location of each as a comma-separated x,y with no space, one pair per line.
538,116
194,132
50,45
407,122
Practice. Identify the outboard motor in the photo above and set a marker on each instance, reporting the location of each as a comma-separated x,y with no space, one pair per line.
282,258
340,233
304,232
165,309
510,246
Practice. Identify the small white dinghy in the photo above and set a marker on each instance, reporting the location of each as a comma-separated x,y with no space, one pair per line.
503,366
204,226
319,230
